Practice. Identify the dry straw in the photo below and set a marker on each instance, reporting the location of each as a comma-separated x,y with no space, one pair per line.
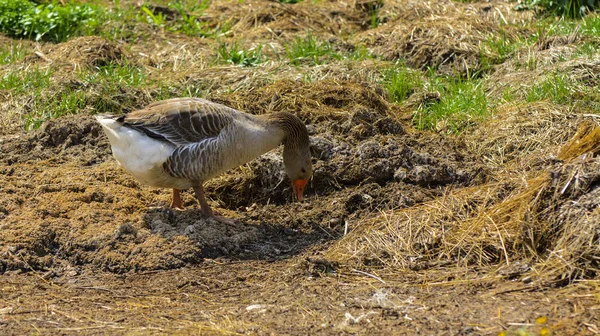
549,222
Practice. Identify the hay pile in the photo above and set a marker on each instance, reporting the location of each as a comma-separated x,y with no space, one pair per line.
532,66
82,52
547,225
256,20
449,38
523,133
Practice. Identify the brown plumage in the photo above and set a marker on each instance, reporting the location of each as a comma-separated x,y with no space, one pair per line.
180,143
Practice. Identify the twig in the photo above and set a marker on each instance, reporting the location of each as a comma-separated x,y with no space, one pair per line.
369,275
520,289
95,288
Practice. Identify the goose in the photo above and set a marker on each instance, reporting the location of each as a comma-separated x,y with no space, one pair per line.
181,143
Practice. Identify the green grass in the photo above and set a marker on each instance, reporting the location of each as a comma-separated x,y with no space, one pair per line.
563,8
111,84
309,51
586,26
462,103
103,90
401,82
11,54
557,88
186,21
233,54
359,53
115,75
502,47
68,102
587,49
19,82
52,22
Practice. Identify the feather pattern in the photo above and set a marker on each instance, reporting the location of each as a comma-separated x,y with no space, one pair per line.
182,142
181,121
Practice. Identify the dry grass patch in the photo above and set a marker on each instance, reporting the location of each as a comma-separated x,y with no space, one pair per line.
86,52
532,66
523,132
450,40
257,20
545,225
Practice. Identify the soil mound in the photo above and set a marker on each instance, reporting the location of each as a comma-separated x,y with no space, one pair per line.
83,52
67,203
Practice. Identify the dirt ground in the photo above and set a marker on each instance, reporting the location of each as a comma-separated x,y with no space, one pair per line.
390,238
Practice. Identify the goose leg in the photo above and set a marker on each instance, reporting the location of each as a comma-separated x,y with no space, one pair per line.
199,191
176,202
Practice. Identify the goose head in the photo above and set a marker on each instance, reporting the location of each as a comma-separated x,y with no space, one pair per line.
296,152
298,167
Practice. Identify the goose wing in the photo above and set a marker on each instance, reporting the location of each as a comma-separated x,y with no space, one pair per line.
181,121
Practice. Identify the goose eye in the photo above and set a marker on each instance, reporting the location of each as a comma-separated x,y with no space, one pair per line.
303,170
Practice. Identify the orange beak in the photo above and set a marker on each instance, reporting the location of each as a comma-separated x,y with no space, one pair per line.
298,186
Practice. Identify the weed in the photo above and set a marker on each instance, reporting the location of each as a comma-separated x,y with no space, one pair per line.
400,83
11,54
309,50
462,102
556,88
53,22
234,55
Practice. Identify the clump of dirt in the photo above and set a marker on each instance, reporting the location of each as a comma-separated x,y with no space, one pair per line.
83,52
78,138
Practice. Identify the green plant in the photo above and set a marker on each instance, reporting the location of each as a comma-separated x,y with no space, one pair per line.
557,88
374,15
360,52
186,20
114,75
462,102
309,50
67,102
400,83
501,46
567,8
53,22
10,54
156,19
234,55
22,81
